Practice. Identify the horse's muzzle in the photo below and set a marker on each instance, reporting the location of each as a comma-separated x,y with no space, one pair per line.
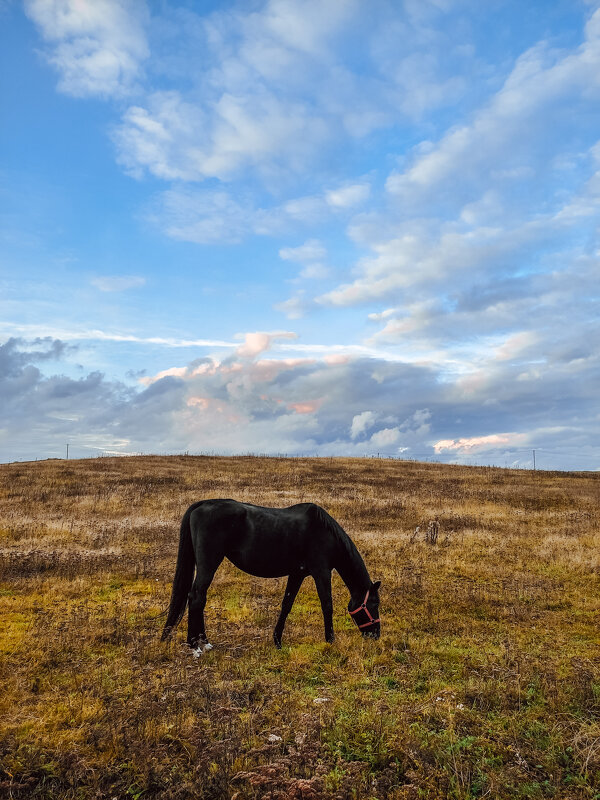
372,633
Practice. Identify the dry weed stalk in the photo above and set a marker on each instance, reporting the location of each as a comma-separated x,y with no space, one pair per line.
433,529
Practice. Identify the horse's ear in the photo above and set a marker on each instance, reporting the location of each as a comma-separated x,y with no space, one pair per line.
376,585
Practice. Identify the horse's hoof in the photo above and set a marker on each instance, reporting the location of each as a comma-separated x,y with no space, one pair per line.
201,648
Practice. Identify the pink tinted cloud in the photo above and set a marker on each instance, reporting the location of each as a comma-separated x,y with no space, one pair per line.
306,407
259,341
477,442
336,359
198,402
515,345
176,372
185,373
267,369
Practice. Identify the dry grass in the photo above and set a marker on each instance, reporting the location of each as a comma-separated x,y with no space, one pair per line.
485,682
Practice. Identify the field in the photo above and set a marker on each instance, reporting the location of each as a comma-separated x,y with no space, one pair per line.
485,681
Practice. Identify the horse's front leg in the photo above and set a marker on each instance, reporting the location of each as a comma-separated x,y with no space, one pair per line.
291,590
323,584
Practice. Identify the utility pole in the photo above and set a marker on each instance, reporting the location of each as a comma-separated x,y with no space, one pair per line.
67,451
534,460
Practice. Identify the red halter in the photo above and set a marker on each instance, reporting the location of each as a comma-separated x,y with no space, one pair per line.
364,608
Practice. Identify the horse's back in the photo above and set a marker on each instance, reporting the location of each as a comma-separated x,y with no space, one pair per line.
218,510
263,541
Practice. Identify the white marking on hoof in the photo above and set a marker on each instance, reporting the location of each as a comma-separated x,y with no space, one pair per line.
202,648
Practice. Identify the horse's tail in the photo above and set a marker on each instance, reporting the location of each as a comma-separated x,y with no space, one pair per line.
184,575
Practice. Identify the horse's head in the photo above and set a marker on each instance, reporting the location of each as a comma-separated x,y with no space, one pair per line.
366,615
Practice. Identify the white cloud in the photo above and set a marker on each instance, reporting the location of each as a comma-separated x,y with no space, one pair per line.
277,89
424,255
206,216
432,257
69,334
269,92
382,315
308,254
534,98
305,209
419,422
315,272
311,250
97,46
294,307
258,342
348,196
385,437
307,27
360,423
202,216
467,444
175,139
162,138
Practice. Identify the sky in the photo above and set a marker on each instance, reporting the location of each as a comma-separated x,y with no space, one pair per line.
302,227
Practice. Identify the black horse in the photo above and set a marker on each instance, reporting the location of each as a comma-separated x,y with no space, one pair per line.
269,543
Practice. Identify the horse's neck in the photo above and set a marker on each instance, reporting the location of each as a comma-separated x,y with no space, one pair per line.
351,568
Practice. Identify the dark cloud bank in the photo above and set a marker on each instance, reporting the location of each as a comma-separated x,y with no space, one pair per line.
335,406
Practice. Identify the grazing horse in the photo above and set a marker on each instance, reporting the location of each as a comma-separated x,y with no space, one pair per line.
268,542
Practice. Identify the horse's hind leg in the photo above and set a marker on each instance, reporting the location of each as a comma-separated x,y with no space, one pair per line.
291,590
196,637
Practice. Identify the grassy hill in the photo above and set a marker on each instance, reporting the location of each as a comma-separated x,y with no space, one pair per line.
484,683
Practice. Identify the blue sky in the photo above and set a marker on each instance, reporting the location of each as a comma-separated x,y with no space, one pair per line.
333,227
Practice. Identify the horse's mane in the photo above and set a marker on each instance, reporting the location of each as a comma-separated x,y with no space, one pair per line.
346,545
